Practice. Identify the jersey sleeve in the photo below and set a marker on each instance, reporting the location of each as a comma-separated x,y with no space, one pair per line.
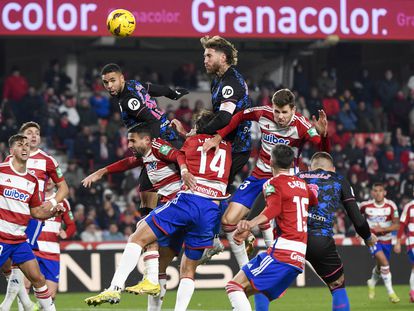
68,220
403,220
166,152
251,114
124,165
273,199
395,214
53,170
231,93
313,197
36,199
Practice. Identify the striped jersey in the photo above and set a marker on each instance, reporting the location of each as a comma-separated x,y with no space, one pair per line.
407,225
296,134
48,241
211,170
18,193
43,166
380,215
287,200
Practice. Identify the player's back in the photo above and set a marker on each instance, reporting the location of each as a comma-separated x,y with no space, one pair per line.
328,185
292,195
211,170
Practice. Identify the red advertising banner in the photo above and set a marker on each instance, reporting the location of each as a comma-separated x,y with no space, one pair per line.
290,19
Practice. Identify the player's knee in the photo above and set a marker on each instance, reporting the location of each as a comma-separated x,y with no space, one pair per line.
233,286
227,228
152,247
339,283
38,280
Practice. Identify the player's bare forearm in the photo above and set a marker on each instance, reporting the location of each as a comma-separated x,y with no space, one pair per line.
42,212
258,220
62,191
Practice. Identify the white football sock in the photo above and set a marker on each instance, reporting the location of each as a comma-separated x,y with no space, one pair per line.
43,296
375,277
239,251
386,277
15,282
184,294
151,265
128,262
155,303
239,301
412,280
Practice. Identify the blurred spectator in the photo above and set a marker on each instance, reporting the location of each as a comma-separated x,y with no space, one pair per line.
14,89
66,133
198,106
91,233
331,106
100,104
407,186
69,107
105,153
314,103
32,107
56,78
113,234
185,76
301,106
79,217
113,126
264,98
183,109
387,90
353,153
390,165
300,81
7,129
347,118
400,112
364,123
392,189
110,212
74,174
87,115
364,87
326,84
84,147
347,97
267,82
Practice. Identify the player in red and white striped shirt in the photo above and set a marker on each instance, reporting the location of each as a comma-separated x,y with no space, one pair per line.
19,200
382,217
407,228
280,124
48,252
287,200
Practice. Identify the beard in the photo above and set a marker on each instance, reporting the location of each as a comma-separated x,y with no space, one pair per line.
213,69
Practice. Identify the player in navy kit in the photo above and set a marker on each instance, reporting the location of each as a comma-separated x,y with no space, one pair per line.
332,190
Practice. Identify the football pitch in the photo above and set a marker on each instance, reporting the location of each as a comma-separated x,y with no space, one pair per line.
307,299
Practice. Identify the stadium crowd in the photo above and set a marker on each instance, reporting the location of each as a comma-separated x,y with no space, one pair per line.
371,125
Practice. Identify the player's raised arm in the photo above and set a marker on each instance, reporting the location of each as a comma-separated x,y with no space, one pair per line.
155,90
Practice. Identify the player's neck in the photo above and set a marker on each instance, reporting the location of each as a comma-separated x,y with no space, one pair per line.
34,150
379,202
18,165
280,171
222,70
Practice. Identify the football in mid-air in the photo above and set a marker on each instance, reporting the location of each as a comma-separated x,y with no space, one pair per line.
121,23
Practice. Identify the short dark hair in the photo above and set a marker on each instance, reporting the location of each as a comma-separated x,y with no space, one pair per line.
282,156
15,138
218,43
284,97
112,67
322,155
141,129
26,125
378,184
202,118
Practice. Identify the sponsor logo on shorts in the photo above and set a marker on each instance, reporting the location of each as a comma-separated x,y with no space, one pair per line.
15,194
297,257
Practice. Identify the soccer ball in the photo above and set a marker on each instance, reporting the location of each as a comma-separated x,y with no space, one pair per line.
121,23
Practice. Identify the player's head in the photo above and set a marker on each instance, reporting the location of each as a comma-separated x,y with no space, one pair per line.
281,158
218,53
322,160
19,147
203,118
50,186
32,131
378,192
139,140
284,106
112,79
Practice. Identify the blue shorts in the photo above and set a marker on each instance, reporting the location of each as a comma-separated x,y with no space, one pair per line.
248,191
410,254
49,268
19,253
192,213
33,230
380,247
269,276
174,241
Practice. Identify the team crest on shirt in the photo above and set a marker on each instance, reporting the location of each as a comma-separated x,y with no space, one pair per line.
227,91
164,149
151,166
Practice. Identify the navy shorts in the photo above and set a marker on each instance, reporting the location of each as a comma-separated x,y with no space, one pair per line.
49,268
194,214
410,254
19,253
269,276
380,247
248,191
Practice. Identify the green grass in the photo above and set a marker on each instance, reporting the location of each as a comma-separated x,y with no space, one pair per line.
307,299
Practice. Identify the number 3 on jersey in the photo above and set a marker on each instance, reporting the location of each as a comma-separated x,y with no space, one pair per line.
217,164
301,212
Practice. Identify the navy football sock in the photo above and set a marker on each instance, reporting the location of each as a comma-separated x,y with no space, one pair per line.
340,301
261,303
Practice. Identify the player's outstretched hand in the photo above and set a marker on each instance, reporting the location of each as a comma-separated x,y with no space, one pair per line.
212,143
58,210
321,124
89,180
178,93
178,126
372,240
242,232
189,180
